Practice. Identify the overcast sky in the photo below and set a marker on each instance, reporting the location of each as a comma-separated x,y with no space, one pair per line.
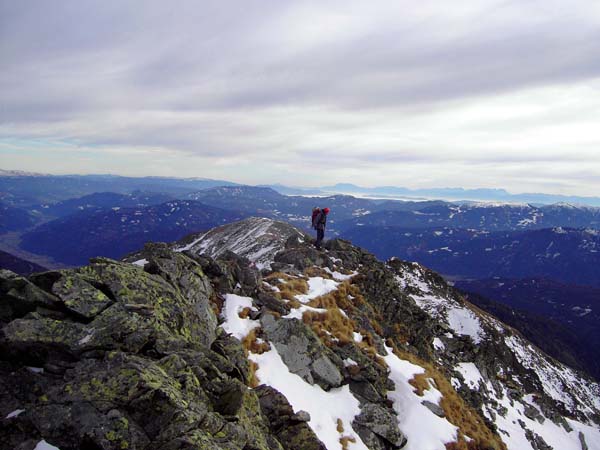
418,94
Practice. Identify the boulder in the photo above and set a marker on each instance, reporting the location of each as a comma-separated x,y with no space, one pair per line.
291,429
302,351
378,427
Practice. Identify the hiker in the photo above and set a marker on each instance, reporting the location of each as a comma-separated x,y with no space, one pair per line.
318,223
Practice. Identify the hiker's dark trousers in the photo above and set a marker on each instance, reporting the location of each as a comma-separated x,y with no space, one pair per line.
320,236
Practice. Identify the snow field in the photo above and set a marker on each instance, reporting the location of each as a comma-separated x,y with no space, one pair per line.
324,407
423,429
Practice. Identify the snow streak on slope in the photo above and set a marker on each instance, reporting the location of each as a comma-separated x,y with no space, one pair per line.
258,239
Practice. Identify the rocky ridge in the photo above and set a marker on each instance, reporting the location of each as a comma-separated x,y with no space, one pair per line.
270,344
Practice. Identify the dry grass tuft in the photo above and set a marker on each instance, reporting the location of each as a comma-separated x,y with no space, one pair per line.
252,344
245,313
293,287
217,302
344,440
253,380
420,383
331,326
315,271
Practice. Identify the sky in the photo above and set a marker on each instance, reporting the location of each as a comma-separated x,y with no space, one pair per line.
475,93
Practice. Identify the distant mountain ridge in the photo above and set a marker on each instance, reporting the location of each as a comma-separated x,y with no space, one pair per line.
45,187
454,194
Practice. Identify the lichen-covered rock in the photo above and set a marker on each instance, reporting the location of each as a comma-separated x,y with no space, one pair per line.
19,296
79,297
126,358
187,277
303,352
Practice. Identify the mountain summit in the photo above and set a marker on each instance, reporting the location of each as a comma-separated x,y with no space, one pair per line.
246,337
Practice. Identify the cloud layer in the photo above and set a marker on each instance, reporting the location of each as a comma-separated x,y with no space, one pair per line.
481,93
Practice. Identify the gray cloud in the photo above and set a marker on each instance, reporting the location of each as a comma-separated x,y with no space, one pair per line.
358,86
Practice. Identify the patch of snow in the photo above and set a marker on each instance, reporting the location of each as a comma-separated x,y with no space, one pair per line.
438,344
470,373
234,324
15,413
339,276
464,322
349,362
324,407
317,286
296,313
140,262
43,445
87,338
35,369
357,336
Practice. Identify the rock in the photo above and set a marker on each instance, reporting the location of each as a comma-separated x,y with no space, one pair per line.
537,442
79,297
291,429
302,351
301,416
434,408
231,349
303,257
378,427
531,412
19,296
584,445
193,285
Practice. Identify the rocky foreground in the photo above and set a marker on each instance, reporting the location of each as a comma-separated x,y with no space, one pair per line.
248,338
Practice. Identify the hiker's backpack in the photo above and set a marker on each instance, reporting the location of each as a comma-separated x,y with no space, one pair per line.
315,213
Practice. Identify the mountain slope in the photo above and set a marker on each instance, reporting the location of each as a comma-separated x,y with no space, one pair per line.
18,265
562,254
105,200
319,350
562,319
113,233
482,216
13,219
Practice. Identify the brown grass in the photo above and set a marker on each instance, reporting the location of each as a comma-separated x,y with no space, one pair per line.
420,383
217,302
344,440
333,321
251,345
253,380
245,313
457,411
293,287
